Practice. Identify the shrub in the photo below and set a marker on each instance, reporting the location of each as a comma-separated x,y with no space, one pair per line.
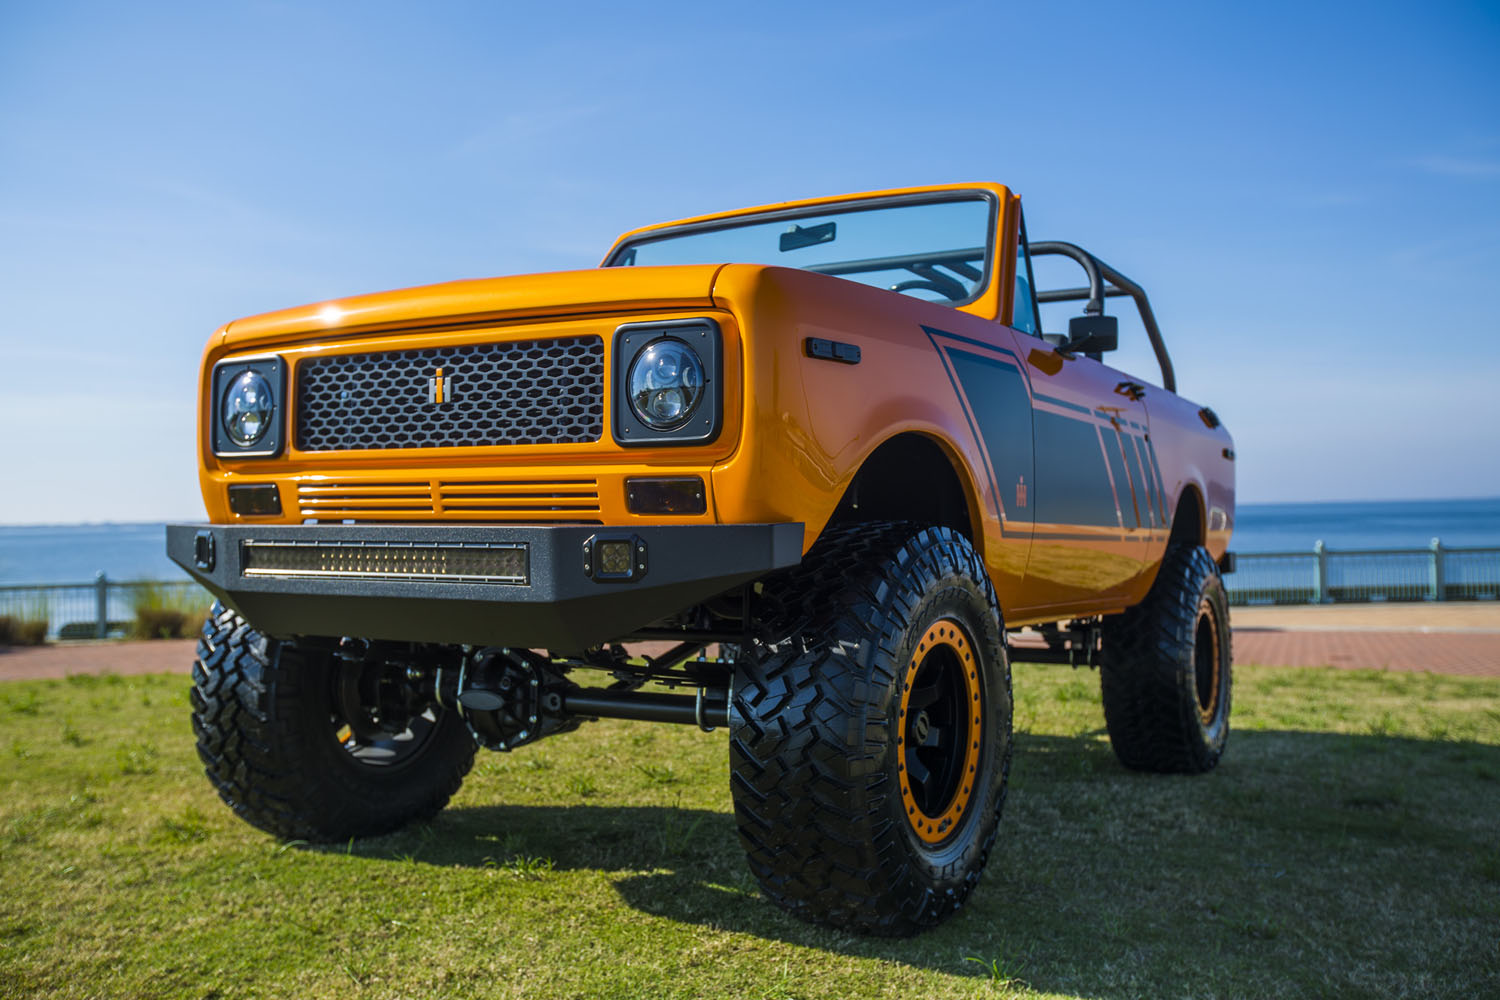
16,631
160,623
167,611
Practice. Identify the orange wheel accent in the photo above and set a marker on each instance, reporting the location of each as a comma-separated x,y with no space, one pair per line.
1206,656
939,731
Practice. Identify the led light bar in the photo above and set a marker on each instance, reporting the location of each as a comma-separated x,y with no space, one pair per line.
479,562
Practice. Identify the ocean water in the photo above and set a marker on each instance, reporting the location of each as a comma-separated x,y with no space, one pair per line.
1372,524
74,553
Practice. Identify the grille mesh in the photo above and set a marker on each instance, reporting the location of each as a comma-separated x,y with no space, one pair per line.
521,392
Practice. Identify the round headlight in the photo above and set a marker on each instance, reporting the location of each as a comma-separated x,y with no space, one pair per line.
666,384
247,410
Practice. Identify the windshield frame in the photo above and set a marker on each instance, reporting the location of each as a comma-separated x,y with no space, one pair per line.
828,207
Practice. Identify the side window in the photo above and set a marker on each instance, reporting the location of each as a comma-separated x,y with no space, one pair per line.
1024,310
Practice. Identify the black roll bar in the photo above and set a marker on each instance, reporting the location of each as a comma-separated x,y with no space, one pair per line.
1118,285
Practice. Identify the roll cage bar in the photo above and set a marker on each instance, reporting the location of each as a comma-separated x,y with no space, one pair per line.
1105,282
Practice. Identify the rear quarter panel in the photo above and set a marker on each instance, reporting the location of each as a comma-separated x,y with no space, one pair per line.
1196,457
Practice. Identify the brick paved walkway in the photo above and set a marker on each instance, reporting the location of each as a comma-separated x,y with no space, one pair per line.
1476,654
1442,638
1453,637
159,657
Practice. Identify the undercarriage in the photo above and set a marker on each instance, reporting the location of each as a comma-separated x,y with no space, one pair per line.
511,697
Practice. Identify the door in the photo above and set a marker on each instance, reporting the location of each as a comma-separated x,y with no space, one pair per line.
1095,498
1096,494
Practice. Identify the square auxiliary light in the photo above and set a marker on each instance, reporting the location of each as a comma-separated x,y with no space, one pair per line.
614,558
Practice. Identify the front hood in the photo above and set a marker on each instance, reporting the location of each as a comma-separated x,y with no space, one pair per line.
561,293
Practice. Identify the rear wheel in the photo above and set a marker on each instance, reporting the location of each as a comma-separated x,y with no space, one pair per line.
872,730
305,746
1165,669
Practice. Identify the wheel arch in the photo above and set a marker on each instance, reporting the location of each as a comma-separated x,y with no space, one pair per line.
881,488
1189,518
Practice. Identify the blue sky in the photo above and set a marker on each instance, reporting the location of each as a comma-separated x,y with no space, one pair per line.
1309,192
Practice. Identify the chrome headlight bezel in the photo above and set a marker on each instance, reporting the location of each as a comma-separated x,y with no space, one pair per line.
271,370
703,419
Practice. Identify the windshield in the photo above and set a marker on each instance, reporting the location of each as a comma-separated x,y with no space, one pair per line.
934,250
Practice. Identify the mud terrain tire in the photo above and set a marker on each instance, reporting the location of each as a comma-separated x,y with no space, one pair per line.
871,729
1165,669
269,738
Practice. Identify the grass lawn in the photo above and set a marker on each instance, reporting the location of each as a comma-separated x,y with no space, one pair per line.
1348,845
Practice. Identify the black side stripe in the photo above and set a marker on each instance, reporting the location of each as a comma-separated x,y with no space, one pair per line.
997,399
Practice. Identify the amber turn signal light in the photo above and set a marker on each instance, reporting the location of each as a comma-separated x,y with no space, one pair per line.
683,495
254,499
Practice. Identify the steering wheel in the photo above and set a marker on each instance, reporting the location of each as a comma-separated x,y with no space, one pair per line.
915,284
929,279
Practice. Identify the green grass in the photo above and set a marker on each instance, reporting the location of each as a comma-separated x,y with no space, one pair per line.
1345,847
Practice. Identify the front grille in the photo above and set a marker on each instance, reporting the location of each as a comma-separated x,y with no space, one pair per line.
470,396
504,500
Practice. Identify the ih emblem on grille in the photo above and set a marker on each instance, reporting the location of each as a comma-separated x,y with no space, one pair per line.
440,389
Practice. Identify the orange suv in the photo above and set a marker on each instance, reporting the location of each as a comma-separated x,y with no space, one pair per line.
827,439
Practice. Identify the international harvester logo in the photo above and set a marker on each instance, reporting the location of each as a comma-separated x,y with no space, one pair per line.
440,389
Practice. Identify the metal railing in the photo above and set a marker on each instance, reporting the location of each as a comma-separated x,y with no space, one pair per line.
99,610
1326,576
106,607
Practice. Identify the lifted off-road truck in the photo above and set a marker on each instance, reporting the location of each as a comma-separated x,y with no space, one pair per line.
826,438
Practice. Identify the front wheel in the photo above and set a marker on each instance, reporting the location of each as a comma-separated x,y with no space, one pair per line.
294,741
872,730
1165,669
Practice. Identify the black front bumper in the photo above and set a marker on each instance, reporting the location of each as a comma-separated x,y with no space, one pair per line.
551,587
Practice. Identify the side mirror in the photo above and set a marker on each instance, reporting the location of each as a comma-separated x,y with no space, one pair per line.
1093,334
